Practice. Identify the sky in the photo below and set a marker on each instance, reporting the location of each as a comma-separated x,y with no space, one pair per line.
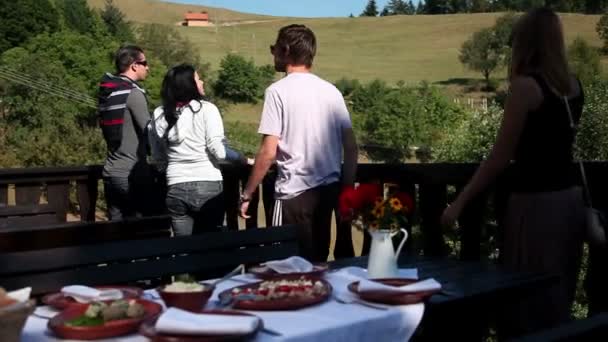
292,8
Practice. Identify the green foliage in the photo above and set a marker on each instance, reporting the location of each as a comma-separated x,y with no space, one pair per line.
488,49
472,139
584,60
77,15
24,19
481,53
592,138
399,7
116,22
42,127
347,86
166,44
602,31
371,9
239,80
391,121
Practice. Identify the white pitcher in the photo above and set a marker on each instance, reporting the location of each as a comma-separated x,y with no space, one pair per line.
382,262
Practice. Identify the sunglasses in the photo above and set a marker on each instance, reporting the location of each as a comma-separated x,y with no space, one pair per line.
144,63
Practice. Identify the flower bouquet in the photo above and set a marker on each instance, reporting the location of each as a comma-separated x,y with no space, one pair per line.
383,214
373,209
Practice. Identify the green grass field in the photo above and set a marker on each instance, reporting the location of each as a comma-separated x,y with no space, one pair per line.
408,48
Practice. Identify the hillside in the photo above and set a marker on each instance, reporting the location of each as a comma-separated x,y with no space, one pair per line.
408,48
156,11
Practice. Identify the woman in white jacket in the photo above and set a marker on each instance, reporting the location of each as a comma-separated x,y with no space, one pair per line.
187,135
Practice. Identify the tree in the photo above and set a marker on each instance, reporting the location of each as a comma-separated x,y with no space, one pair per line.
116,22
239,80
371,10
411,8
24,19
602,31
490,48
437,7
165,43
52,116
481,53
596,6
397,7
584,60
480,6
77,15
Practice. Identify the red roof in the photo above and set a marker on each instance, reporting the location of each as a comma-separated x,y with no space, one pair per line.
196,16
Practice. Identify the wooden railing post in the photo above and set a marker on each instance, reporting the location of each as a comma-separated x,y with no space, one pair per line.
59,198
433,200
470,222
86,190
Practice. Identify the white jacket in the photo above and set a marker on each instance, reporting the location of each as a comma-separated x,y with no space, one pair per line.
192,148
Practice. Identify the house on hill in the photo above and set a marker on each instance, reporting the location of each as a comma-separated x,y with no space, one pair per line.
196,19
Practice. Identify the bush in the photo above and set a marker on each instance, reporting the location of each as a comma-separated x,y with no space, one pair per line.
592,138
390,122
584,60
239,80
472,139
347,86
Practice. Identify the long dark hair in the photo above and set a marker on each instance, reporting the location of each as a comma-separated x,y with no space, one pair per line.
178,88
538,46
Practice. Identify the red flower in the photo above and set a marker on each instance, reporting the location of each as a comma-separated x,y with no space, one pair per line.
352,200
406,200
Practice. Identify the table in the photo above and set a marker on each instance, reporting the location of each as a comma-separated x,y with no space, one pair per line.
477,286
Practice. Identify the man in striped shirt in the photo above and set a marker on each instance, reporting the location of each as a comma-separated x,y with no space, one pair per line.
123,114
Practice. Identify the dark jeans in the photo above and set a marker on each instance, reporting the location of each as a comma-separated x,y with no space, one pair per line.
136,196
312,210
195,206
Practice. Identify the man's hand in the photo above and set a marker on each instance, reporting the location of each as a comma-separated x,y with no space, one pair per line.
244,206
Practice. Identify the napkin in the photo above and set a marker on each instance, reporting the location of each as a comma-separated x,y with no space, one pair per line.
177,321
294,264
20,295
85,294
425,285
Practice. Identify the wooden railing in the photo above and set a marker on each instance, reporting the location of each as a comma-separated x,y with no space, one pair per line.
427,182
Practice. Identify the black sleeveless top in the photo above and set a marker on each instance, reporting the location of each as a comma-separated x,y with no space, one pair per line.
543,157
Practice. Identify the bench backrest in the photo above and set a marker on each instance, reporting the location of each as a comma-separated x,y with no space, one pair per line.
20,239
128,261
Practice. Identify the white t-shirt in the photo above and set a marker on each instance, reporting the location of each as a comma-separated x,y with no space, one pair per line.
308,115
193,146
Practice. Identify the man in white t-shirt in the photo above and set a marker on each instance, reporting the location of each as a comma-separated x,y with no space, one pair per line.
307,130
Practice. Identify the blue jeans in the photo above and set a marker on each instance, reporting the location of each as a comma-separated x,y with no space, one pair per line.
195,206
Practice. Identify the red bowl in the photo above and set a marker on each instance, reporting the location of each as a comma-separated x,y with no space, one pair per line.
109,329
191,301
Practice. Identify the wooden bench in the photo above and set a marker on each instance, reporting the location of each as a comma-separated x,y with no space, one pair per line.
19,239
129,261
594,328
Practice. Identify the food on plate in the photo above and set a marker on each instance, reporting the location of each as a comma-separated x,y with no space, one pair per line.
282,289
97,313
180,286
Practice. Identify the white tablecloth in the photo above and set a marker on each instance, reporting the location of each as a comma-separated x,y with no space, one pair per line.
330,321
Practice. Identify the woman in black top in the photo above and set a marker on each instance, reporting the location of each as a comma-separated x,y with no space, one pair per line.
545,218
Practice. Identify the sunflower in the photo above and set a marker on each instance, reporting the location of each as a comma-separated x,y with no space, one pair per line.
378,211
396,204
